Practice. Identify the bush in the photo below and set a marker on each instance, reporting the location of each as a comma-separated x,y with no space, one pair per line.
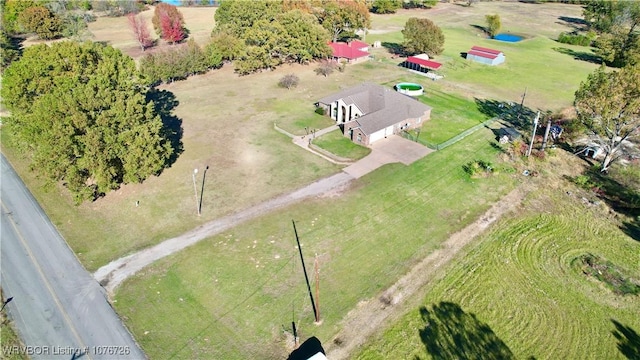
288,81
325,68
175,64
478,168
41,21
320,111
576,39
608,273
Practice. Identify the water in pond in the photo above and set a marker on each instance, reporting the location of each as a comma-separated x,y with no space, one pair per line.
507,37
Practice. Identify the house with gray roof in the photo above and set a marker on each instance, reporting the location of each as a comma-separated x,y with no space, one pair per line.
369,112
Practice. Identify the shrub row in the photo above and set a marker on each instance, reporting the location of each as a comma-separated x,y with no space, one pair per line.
178,63
576,39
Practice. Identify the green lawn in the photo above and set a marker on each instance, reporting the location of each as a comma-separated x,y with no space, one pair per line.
518,293
545,67
451,115
336,143
236,292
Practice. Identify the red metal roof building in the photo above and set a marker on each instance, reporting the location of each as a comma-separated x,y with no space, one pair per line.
427,64
353,51
485,55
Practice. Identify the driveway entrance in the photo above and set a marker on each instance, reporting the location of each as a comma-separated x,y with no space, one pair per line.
386,151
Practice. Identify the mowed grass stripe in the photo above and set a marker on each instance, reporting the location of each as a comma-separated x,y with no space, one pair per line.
520,282
365,239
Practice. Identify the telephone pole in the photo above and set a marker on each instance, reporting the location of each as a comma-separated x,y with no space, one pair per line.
546,135
521,104
195,190
533,134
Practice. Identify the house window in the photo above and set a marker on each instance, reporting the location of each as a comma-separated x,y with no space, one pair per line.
419,120
359,138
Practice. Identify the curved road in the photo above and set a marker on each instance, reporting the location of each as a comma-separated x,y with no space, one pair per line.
60,311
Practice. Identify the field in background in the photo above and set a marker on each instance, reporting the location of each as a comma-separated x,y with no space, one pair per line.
116,31
235,293
519,294
545,67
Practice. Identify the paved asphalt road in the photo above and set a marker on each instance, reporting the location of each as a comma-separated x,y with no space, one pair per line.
57,307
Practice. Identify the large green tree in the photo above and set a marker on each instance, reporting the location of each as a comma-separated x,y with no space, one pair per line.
608,103
304,39
343,16
42,21
264,34
386,6
618,23
82,114
422,36
237,16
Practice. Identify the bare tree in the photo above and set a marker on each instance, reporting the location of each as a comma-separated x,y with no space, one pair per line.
288,81
140,31
325,68
608,103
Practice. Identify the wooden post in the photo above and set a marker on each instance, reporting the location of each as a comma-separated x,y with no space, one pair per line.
546,135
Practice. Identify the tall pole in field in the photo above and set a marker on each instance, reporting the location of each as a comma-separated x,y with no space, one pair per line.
304,269
204,175
522,103
195,190
546,135
533,134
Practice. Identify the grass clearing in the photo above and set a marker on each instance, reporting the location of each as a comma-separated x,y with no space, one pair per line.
336,143
528,62
239,289
522,288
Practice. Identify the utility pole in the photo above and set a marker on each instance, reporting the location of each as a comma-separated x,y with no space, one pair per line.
204,175
546,135
304,269
522,103
533,134
195,190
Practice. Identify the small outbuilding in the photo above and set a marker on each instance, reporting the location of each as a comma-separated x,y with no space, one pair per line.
485,55
422,65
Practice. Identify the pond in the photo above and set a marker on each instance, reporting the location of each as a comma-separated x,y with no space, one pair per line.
507,37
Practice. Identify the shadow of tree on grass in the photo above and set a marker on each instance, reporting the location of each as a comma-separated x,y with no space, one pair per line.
519,117
394,48
451,333
164,102
578,24
580,55
628,340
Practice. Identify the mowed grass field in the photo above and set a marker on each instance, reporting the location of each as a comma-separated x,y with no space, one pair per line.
550,74
227,124
518,295
233,295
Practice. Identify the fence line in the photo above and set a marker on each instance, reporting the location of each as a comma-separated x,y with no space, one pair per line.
451,141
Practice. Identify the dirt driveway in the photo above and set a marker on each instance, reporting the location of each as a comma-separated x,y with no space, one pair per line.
386,151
